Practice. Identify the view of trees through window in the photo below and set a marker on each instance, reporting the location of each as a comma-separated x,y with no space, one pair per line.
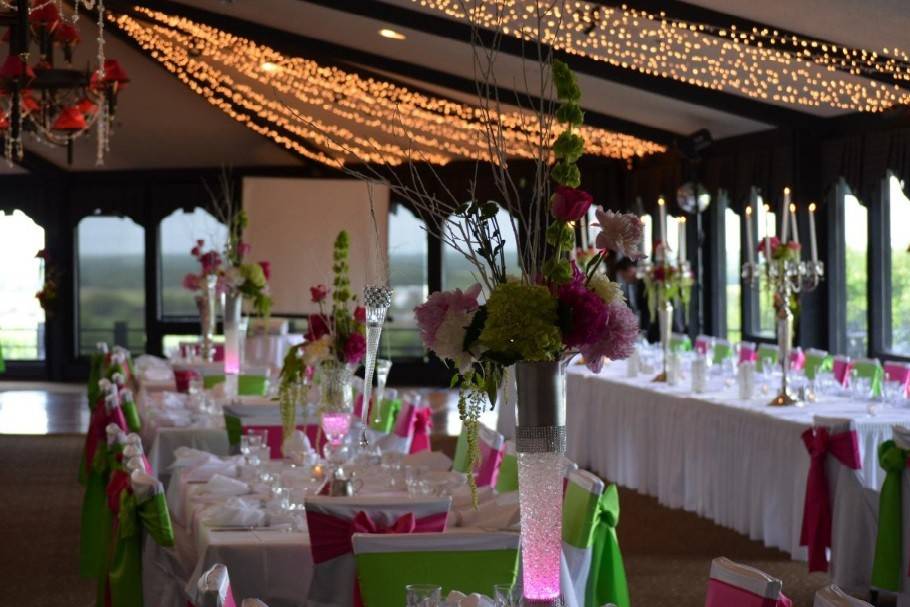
899,209
111,283
21,316
856,239
767,226
457,273
732,272
178,233
408,278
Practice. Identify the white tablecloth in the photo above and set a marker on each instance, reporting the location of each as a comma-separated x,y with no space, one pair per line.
739,463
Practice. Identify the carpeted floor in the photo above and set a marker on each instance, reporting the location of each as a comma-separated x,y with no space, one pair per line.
40,510
667,552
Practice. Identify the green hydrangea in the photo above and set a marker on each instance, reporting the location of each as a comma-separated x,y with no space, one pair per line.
521,324
252,273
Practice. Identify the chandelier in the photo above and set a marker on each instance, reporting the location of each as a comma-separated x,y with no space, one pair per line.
41,92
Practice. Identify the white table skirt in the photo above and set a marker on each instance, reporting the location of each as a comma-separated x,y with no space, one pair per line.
739,463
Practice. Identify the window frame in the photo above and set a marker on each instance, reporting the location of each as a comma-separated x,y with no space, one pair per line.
880,287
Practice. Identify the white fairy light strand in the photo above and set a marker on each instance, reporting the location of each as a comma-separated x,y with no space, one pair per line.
805,72
227,72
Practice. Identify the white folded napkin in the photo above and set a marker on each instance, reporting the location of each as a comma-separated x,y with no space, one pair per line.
472,600
461,497
204,472
297,445
434,460
235,512
223,485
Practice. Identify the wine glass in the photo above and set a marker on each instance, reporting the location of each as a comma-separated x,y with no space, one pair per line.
506,595
423,595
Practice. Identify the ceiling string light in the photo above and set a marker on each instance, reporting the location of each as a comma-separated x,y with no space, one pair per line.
55,103
331,115
761,63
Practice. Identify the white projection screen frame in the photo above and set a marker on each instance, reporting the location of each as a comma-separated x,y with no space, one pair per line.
293,223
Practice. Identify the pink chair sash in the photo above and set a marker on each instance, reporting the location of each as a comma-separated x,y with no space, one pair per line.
721,594
797,360
422,424
229,598
842,371
748,355
701,345
97,433
816,527
898,372
312,431
330,536
182,379
490,460
404,423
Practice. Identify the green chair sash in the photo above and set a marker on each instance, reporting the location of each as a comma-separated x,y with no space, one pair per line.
766,353
247,385
886,568
210,381
2,362
680,343
234,427
589,522
873,370
818,363
388,412
131,414
722,351
383,576
508,474
460,462
95,526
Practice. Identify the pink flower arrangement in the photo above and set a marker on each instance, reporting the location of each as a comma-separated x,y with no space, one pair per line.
569,204
587,312
354,348
318,293
443,322
211,264
621,233
266,269
617,340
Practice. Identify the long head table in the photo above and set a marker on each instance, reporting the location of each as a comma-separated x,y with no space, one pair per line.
737,462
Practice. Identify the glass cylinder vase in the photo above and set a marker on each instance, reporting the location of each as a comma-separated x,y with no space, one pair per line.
233,339
206,304
540,440
336,403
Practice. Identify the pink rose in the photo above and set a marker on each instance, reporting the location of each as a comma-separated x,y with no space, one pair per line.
360,314
266,269
621,233
243,248
317,326
318,293
191,282
431,313
354,348
569,204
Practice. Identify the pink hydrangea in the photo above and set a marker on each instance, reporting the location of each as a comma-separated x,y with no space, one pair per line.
618,339
431,314
620,232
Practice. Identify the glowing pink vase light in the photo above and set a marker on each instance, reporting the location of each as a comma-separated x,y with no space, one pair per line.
336,426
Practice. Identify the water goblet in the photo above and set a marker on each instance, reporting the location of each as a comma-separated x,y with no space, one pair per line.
423,595
506,595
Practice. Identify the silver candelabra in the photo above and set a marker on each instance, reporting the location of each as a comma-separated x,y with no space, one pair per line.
786,278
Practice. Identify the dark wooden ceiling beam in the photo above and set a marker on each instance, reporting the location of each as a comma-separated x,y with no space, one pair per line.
729,103
375,66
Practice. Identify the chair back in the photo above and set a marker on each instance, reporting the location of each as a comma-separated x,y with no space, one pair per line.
817,361
389,410
747,352
722,350
680,342
832,596
214,588
492,447
703,343
767,354
871,369
464,561
333,520
797,359
589,519
508,470
840,366
743,586
899,372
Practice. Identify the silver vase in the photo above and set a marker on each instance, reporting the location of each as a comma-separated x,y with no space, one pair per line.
540,440
665,320
234,337
206,304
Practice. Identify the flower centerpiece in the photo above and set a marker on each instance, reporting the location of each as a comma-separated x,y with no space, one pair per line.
333,348
666,281
205,287
47,295
557,307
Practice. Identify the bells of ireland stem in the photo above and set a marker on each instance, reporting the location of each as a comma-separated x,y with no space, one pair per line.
376,300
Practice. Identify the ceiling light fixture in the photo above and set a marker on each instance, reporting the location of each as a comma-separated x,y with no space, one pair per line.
391,34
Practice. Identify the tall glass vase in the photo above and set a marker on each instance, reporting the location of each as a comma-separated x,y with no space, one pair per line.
540,440
377,300
234,335
336,404
665,320
206,304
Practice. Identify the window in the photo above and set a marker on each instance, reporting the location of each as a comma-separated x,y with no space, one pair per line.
732,272
111,287
179,232
856,246
21,277
408,278
458,273
899,209
767,226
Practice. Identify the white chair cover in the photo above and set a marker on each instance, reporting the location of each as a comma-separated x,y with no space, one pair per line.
333,579
214,588
832,596
854,517
754,586
578,560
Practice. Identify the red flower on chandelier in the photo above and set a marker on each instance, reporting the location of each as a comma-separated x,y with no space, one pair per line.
70,119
